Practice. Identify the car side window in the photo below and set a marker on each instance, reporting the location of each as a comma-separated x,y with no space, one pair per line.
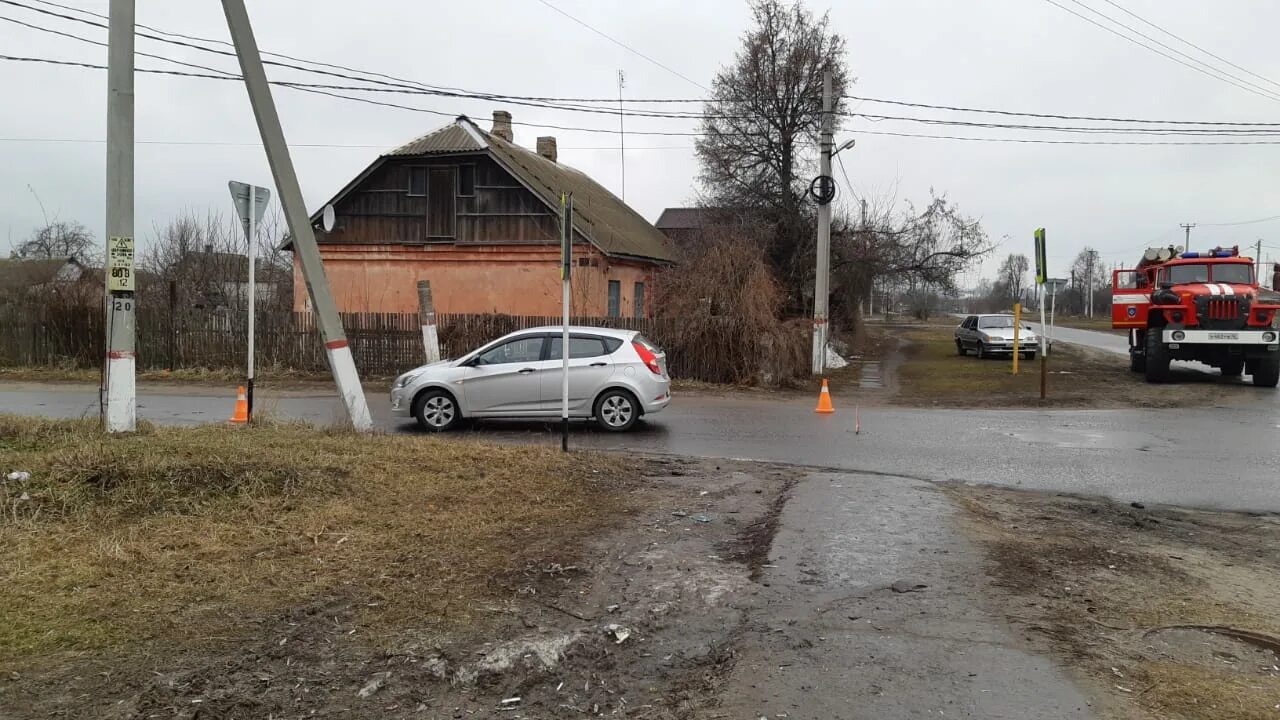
520,350
969,322
580,346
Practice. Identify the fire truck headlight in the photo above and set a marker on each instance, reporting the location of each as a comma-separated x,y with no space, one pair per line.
1179,336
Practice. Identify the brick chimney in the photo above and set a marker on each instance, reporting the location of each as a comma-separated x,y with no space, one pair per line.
547,148
502,125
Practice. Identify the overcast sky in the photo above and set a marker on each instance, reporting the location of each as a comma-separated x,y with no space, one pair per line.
1025,55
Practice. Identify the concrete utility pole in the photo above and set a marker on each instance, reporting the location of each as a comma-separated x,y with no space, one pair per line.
427,316
622,135
823,277
121,402
1187,227
1257,262
341,362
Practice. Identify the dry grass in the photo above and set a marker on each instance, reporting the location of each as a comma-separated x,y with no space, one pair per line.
185,535
935,374
268,377
1097,324
1096,578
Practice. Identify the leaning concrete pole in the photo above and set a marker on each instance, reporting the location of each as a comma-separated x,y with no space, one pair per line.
295,212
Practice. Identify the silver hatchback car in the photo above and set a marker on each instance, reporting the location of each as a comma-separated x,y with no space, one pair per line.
615,376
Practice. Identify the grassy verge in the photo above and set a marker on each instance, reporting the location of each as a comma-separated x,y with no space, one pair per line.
1171,612
934,374
187,536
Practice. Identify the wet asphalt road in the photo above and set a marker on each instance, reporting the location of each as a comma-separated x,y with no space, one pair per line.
1209,457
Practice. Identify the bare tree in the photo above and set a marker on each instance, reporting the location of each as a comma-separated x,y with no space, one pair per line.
1012,275
60,239
765,109
919,250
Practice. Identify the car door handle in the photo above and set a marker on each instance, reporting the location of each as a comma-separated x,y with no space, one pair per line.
600,364
526,371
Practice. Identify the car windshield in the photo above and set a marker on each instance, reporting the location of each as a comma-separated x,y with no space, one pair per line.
1234,273
997,321
1183,274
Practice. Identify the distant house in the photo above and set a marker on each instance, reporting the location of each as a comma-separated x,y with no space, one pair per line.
51,278
479,217
210,280
687,225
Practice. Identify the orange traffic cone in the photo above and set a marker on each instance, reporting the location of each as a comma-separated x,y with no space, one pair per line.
824,400
241,415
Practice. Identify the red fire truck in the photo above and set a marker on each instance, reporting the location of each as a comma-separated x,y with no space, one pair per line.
1202,306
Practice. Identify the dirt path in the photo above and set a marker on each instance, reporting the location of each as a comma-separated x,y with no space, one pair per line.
874,606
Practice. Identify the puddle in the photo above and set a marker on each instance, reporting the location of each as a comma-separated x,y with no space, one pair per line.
1110,440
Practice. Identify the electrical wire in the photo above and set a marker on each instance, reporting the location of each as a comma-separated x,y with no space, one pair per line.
1048,116
1242,222
1183,40
626,47
1200,70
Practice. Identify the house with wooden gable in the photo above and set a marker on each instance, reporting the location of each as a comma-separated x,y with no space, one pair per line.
479,217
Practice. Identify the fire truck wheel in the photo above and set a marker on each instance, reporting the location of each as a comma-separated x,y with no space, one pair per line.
1137,362
1157,368
1233,368
1266,373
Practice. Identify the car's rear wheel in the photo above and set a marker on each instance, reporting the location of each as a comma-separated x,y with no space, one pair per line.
616,410
436,410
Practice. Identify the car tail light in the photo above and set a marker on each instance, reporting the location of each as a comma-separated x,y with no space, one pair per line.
647,357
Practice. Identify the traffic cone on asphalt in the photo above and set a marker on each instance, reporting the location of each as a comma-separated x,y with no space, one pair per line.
824,400
241,415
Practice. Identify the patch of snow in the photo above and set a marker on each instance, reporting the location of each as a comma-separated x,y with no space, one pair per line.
834,361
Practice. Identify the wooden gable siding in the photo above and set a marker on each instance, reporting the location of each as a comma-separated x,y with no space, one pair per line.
380,209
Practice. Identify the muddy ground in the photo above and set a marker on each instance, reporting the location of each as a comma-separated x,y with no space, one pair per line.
640,627
1165,612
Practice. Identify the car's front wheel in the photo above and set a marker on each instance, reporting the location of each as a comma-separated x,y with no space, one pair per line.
436,410
960,348
982,350
616,410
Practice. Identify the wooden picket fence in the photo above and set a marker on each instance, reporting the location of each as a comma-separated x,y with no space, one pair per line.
383,344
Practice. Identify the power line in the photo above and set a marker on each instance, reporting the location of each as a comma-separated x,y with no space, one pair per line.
1244,222
626,47
339,146
1183,40
1173,49
1048,116
1200,70
1037,141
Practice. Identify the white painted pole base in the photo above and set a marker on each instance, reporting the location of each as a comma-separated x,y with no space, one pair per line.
348,381
819,348
121,404
431,343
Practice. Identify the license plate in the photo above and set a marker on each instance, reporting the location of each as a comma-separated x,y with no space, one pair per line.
1224,336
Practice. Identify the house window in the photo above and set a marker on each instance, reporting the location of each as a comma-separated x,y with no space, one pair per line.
639,299
441,202
418,181
615,298
466,180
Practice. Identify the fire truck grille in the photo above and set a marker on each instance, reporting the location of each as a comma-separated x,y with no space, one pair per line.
1221,312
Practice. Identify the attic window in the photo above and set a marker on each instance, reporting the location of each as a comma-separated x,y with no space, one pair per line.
466,180
418,181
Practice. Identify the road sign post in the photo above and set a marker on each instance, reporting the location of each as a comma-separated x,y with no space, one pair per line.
251,204
1042,275
566,269
1017,328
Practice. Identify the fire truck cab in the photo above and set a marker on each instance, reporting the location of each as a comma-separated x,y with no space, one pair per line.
1202,306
